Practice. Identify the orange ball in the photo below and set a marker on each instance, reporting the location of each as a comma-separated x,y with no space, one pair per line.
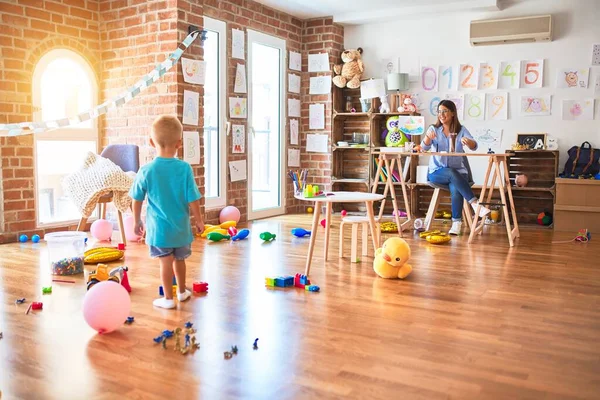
309,210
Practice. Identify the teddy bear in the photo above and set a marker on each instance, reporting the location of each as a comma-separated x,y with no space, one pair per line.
349,73
391,259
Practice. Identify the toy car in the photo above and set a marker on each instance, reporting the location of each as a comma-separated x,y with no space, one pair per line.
103,274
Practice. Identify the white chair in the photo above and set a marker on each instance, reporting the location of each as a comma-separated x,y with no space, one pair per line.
355,222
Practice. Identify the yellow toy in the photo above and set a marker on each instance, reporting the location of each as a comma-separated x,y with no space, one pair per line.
102,254
222,229
438,238
391,259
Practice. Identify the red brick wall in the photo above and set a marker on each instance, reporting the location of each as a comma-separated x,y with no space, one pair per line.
28,30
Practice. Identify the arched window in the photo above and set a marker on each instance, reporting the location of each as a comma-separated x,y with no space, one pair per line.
64,85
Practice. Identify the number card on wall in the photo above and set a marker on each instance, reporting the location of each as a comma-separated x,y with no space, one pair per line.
469,77
532,73
488,76
429,79
448,77
509,75
475,106
459,101
496,106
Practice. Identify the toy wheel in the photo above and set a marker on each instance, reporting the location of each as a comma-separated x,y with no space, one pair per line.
114,279
92,283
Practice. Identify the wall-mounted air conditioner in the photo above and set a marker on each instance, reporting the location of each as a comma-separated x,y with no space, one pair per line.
511,30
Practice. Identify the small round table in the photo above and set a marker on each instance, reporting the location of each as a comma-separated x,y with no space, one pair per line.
338,197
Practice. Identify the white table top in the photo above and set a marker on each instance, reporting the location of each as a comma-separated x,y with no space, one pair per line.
343,197
435,153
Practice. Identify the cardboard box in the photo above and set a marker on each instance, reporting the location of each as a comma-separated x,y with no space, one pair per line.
577,205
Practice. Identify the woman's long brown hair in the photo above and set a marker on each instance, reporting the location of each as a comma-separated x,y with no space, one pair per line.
455,125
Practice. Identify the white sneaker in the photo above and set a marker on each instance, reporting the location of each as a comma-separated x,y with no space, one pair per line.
184,296
164,303
456,227
483,211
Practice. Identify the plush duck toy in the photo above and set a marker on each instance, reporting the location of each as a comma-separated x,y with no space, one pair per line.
391,259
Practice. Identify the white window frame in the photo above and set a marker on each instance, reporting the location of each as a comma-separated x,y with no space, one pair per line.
220,28
67,134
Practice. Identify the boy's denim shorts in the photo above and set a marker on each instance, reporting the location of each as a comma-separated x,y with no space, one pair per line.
180,253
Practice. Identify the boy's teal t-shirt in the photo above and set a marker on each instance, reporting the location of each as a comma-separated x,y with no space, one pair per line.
170,186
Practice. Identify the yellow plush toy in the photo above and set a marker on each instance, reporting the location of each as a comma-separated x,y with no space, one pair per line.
391,259
349,73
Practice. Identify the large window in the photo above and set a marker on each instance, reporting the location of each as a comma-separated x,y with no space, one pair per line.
63,86
215,143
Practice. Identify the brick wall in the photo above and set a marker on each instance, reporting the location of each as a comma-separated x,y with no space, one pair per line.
28,30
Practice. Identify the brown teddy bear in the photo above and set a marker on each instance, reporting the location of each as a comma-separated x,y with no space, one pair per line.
349,73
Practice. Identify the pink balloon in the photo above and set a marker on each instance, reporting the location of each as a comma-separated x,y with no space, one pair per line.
128,226
101,229
229,213
106,306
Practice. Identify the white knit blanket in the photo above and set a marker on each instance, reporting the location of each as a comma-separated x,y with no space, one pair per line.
97,177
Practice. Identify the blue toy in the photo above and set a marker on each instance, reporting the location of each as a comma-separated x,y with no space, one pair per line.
241,235
35,238
300,232
189,325
129,320
158,339
23,238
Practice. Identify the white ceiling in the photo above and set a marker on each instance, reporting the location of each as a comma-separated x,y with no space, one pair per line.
366,11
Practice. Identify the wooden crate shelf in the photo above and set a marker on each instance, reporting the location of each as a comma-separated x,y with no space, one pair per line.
540,166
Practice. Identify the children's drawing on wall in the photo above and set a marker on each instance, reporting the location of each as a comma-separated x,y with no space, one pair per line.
535,106
294,83
237,170
572,78
496,106
596,54
237,44
475,106
509,75
468,77
294,132
578,109
459,101
316,116
597,86
488,76
194,71
191,147
429,78
448,77
293,108
532,73
237,107
411,125
318,62
190,107
293,158
488,139
240,79
320,84
239,138
295,61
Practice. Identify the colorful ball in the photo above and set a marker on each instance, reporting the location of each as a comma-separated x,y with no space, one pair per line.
521,180
544,218
129,229
35,238
229,213
101,229
309,210
323,222
23,238
106,306
344,213
232,231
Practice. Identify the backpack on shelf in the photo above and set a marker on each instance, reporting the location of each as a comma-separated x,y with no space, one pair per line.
582,162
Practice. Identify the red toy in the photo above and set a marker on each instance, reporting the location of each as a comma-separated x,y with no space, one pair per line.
200,287
323,222
344,213
232,231
300,281
37,306
125,281
121,246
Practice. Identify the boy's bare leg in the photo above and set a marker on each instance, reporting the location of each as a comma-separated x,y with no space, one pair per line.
180,268
166,276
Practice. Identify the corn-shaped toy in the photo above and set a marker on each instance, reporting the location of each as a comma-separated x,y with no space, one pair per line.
102,254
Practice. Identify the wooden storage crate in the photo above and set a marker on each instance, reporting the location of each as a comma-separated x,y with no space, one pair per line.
577,205
540,166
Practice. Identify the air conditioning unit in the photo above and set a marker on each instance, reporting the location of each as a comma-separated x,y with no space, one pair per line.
511,30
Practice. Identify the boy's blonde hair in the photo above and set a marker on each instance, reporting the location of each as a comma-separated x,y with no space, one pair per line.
166,131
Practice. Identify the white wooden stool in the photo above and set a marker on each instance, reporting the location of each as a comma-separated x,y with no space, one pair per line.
355,221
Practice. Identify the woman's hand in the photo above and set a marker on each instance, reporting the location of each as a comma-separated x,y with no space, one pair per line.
431,133
468,142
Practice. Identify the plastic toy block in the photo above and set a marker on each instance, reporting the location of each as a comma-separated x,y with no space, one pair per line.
174,291
300,281
37,306
174,281
312,288
121,246
288,281
161,292
280,281
200,287
47,290
270,281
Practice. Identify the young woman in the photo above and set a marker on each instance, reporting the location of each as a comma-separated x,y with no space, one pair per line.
448,135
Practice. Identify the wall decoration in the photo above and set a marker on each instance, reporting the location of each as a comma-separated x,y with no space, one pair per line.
488,76
535,105
237,170
448,77
429,79
238,40
459,101
295,61
318,62
532,74
468,77
487,138
320,84
238,107
535,141
509,75
238,142
190,107
316,116
194,71
596,54
240,79
293,108
316,143
433,105
372,88
572,78
191,147
575,110
294,132
411,125
597,86
551,143
496,107
293,158
475,106
294,83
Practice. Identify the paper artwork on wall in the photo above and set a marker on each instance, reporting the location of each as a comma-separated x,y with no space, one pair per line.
293,108
318,62
294,83
596,54
468,77
293,158
459,101
532,73
429,79
237,170
295,61
190,107
240,79
238,44
475,106
496,106
316,116
597,86
294,132
575,110
535,106
372,88
238,107
488,76
411,125
316,143
487,138
238,142
572,78
509,75
191,147
194,71
320,84
448,77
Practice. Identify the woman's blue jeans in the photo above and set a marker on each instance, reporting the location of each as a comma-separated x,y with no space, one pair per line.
459,188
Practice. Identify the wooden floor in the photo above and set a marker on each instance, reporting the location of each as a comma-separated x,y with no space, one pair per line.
478,321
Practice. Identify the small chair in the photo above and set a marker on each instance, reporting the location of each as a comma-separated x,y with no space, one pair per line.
127,157
356,221
435,200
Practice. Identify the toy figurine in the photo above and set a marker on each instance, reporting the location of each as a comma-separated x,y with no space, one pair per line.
217,237
300,232
241,235
267,236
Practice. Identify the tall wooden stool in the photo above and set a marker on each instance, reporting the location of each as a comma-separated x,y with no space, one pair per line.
355,222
